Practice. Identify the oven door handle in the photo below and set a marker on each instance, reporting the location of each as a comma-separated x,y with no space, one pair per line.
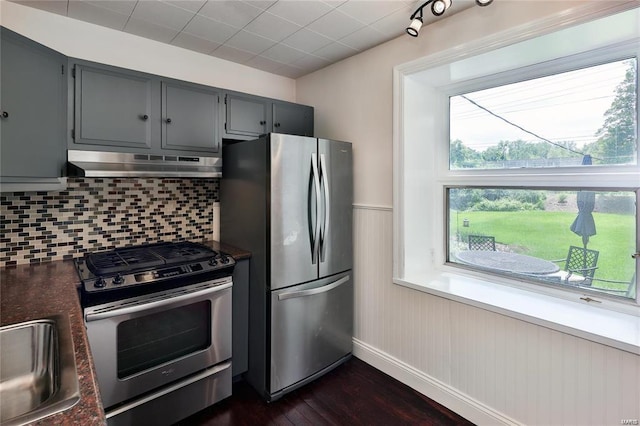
163,299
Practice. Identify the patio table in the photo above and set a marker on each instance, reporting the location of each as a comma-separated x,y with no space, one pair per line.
507,262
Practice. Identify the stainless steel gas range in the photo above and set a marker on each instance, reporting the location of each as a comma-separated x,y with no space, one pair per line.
158,319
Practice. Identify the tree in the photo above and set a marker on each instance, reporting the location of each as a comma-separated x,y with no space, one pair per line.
617,138
461,156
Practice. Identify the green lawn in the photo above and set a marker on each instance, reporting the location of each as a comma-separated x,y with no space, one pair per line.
547,235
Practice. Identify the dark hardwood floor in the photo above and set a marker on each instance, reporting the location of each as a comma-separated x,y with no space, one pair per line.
353,394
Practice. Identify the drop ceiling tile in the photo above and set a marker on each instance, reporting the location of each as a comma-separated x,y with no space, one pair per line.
161,13
232,54
123,7
264,64
306,40
260,4
291,71
310,62
150,30
210,30
192,5
395,24
282,53
335,52
368,11
335,25
300,12
91,12
249,42
334,3
191,42
272,27
234,13
54,6
364,39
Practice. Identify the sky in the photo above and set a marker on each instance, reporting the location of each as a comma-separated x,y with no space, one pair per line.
563,107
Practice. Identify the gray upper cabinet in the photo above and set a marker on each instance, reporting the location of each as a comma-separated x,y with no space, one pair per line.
32,115
292,119
190,117
246,116
112,108
120,110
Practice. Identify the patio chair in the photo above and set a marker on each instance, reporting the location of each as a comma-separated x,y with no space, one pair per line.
628,288
579,266
482,242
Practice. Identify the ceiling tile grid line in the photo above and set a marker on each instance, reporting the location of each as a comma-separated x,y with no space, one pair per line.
286,37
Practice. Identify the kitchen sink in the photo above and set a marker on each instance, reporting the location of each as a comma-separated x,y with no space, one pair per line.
38,375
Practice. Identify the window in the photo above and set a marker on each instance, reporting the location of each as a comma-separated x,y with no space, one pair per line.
520,165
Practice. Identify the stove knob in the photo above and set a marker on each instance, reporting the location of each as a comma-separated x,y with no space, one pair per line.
100,282
213,261
118,279
224,259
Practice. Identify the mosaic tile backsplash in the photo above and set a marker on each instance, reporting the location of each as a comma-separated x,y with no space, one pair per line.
94,214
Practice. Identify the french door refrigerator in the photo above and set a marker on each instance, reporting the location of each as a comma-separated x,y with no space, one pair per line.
288,199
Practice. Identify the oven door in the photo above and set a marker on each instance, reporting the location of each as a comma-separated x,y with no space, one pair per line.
142,343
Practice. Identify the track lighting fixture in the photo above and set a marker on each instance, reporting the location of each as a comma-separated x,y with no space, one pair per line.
438,7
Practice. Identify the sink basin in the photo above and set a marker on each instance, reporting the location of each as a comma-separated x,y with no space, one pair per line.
38,374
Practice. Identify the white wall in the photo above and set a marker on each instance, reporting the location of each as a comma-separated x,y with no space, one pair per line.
485,366
91,42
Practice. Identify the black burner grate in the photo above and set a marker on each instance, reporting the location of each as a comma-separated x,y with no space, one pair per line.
181,252
145,257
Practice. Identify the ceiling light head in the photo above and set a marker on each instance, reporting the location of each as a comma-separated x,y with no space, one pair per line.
438,7
415,26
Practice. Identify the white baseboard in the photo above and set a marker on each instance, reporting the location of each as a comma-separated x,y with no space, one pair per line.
431,387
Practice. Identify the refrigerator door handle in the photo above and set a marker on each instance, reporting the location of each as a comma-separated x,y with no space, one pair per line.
327,207
315,240
311,292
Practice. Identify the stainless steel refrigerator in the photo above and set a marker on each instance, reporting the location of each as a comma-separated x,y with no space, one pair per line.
288,199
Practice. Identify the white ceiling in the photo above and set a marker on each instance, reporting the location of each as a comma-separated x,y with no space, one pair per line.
286,37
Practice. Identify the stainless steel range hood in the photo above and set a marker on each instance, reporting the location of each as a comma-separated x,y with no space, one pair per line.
118,164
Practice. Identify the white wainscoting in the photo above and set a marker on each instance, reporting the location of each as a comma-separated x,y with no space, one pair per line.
489,368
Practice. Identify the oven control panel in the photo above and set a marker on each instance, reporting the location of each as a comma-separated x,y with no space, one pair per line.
168,272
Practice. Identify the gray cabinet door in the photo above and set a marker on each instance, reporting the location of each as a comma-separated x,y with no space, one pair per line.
293,210
245,116
33,110
240,313
292,119
190,117
112,108
336,239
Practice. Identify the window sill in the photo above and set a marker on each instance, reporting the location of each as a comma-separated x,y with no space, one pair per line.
584,320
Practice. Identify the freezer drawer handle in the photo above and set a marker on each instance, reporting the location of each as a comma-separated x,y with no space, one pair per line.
311,292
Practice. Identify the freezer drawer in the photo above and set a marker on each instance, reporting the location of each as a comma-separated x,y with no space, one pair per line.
311,328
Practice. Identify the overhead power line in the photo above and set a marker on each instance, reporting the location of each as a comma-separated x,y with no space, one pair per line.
523,129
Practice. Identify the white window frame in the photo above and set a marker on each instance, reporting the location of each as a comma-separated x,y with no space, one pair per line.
421,174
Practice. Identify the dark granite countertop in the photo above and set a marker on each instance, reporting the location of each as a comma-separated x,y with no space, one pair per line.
236,253
29,292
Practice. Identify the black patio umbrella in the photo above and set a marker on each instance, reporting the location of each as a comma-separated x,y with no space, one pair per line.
584,225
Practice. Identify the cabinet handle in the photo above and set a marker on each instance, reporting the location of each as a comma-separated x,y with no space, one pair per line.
277,125
262,123
5,114
168,120
145,117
